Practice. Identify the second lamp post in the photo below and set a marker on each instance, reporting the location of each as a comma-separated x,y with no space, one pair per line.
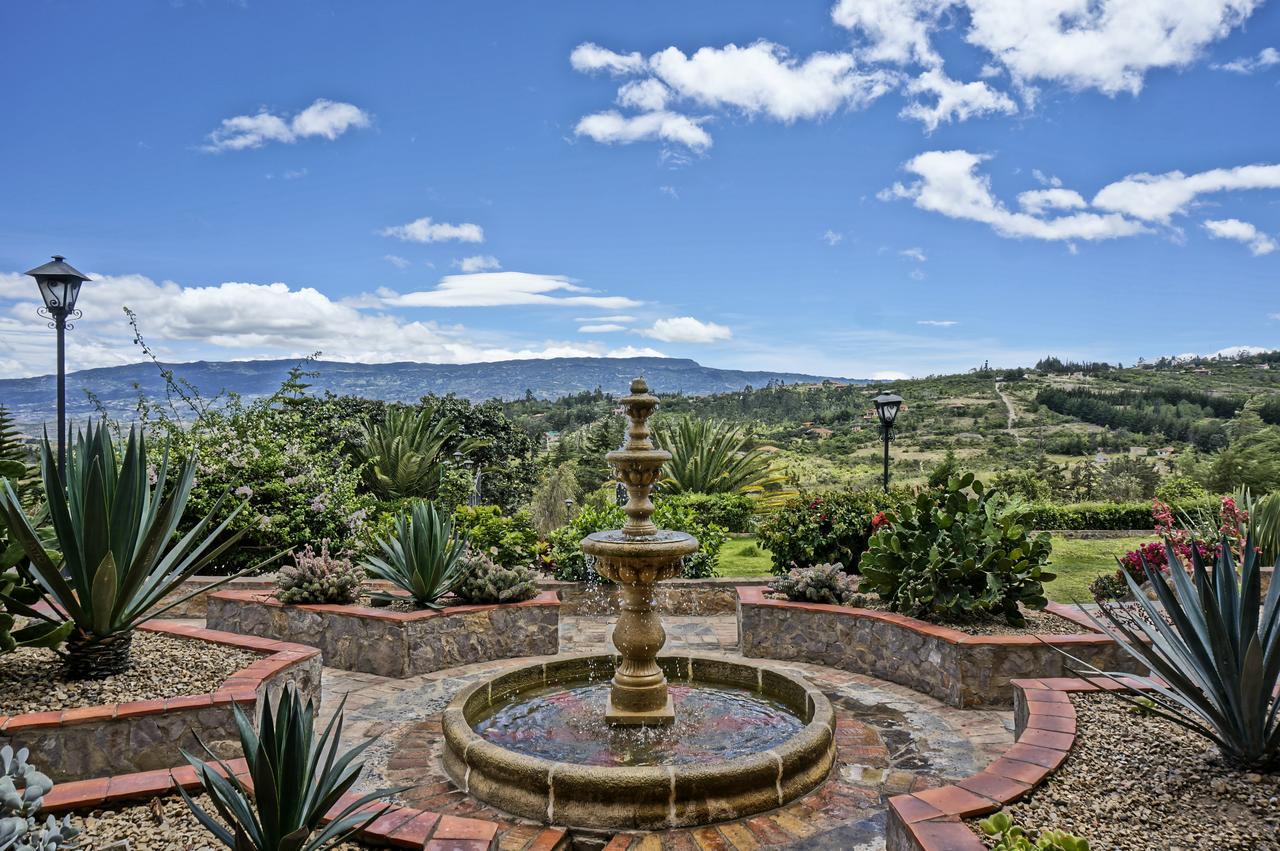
887,405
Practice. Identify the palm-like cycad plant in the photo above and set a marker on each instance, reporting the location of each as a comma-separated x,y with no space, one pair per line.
297,778
1213,644
405,452
711,456
120,556
423,556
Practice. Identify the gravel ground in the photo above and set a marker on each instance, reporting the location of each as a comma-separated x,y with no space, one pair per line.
164,824
1138,782
163,666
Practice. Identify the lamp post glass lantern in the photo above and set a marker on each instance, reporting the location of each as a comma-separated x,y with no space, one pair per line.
887,406
59,284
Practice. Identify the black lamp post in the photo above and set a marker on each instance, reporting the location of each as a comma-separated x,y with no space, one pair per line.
887,405
59,284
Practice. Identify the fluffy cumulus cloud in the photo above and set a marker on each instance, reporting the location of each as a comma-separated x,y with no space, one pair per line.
1108,45
588,58
238,320
953,100
612,127
325,119
478,263
950,183
1266,58
502,289
602,328
1258,242
686,329
426,230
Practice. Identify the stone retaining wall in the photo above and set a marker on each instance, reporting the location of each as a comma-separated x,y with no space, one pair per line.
672,597
392,643
143,735
959,669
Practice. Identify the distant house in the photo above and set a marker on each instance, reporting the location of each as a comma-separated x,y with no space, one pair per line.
818,432
1138,451
1101,458
1165,452
1203,370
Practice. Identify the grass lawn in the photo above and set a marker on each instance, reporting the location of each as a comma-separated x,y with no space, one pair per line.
744,557
1077,562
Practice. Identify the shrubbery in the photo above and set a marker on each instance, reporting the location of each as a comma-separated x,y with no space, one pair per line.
822,529
732,511
958,553
1104,515
510,540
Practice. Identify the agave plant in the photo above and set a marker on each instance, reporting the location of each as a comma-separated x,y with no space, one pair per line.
711,456
297,779
423,556
1213,645
120,556
406,451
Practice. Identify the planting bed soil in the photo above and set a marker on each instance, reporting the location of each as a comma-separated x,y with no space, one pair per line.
1137,782
162,824
163,666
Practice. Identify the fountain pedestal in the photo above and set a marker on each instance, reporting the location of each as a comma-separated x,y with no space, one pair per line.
636,557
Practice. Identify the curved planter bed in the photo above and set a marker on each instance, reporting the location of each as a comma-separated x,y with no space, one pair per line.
142,735
957,668
1045,727
399,827
392,643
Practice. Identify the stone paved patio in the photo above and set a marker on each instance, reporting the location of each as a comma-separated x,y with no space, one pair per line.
890,740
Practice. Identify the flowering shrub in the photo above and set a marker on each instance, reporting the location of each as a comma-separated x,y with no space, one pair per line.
825,529
822,583
511,541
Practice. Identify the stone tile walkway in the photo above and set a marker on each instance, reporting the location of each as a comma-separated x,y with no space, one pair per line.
889,740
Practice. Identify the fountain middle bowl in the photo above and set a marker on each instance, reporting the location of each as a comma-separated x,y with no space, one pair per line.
747,739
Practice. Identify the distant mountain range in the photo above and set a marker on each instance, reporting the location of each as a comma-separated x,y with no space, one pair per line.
32,400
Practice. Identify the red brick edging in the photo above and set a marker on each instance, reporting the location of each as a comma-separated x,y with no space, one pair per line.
400,827
268,598
73,730
934,819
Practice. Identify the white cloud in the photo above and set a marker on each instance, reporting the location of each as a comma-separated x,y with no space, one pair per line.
498,289
937,323
1107,45
832,238
646,95
956,101
889,375
1157,197
949,184
1259,243
1038,201
238,320
425,230
325,118
612,127
617,317
1266,58
764,78
588,57
635,352
605,328
686,329
918,275
478,263
669,190
1045,179
396,260
914,253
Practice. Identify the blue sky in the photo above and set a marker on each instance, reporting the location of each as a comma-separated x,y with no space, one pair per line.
850,188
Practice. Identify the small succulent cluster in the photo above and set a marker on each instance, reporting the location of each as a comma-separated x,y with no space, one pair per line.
1011,837
822,583
487,581
22,791
319,577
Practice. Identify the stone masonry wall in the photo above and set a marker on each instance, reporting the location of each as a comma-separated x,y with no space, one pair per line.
396,644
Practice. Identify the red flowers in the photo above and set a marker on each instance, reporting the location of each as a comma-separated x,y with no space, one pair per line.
879,520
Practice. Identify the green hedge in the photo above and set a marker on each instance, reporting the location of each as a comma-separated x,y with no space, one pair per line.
824,528
1106,515
732,511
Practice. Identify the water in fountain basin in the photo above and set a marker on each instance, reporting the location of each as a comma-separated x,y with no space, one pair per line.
565,723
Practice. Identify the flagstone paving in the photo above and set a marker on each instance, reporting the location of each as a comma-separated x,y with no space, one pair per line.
889,739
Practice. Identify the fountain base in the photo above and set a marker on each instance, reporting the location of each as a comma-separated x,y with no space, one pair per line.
624,717
744,739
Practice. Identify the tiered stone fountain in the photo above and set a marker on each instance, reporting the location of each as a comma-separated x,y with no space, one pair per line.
667,741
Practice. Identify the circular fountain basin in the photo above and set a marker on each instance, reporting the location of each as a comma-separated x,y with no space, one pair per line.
534,742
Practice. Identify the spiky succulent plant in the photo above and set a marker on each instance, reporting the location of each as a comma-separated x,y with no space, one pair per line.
22,791
319,577
422,556
486,581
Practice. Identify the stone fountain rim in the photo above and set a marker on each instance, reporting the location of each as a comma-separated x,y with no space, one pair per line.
616,543
811,746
